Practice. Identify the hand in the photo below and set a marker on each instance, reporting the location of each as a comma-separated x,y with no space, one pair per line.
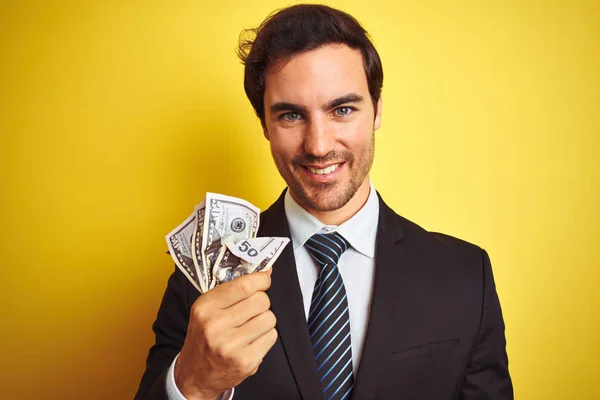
230,330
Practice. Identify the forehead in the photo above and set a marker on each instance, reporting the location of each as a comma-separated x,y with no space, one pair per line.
317,76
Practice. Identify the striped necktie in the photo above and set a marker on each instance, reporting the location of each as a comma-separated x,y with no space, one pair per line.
328,318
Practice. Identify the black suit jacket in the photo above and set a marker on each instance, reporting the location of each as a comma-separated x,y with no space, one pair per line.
435,330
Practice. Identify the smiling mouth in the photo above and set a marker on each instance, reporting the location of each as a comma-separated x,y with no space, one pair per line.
323,171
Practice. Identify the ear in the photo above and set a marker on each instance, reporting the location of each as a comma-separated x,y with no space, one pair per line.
377,122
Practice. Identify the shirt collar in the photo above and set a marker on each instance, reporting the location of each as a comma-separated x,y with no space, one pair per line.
360,230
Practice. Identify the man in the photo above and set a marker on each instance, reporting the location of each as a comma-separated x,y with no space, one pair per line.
364,304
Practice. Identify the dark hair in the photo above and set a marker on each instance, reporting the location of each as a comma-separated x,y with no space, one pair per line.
297,29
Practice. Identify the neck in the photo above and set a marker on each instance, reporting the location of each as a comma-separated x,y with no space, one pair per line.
347,211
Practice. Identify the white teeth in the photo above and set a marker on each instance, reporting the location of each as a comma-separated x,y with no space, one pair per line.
324,171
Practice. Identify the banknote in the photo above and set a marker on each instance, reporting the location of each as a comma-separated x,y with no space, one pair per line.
226,219
179,242
254,250
197,254
218,242
247,256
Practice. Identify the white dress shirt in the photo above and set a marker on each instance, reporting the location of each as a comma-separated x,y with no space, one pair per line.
356,266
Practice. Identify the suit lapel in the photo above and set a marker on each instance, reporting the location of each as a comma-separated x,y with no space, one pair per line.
287,305
389,258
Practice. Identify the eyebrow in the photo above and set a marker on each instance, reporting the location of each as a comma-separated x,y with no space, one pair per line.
284,106
349,98
291,107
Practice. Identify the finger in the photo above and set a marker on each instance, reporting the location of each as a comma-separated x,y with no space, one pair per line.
255,328
259,348
249,358
241,312
238,289
252,356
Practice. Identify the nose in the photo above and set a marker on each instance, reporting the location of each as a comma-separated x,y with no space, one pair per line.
319,137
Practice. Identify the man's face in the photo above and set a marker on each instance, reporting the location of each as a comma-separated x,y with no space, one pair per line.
320,122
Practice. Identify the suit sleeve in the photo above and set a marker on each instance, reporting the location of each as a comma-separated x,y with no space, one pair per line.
170,329
487,375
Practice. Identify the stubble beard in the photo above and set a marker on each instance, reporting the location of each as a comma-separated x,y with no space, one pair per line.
328,196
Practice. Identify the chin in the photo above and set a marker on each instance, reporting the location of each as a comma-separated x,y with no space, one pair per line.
328,197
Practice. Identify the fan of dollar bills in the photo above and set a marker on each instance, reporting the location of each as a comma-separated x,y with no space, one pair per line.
218,242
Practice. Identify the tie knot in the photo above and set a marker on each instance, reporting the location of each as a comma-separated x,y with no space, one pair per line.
327,249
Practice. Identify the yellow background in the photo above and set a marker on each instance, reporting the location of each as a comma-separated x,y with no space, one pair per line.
117,116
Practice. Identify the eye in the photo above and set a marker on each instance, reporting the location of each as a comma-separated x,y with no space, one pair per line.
342,111
290,116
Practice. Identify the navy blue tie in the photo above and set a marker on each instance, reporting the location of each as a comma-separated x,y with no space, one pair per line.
328,318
